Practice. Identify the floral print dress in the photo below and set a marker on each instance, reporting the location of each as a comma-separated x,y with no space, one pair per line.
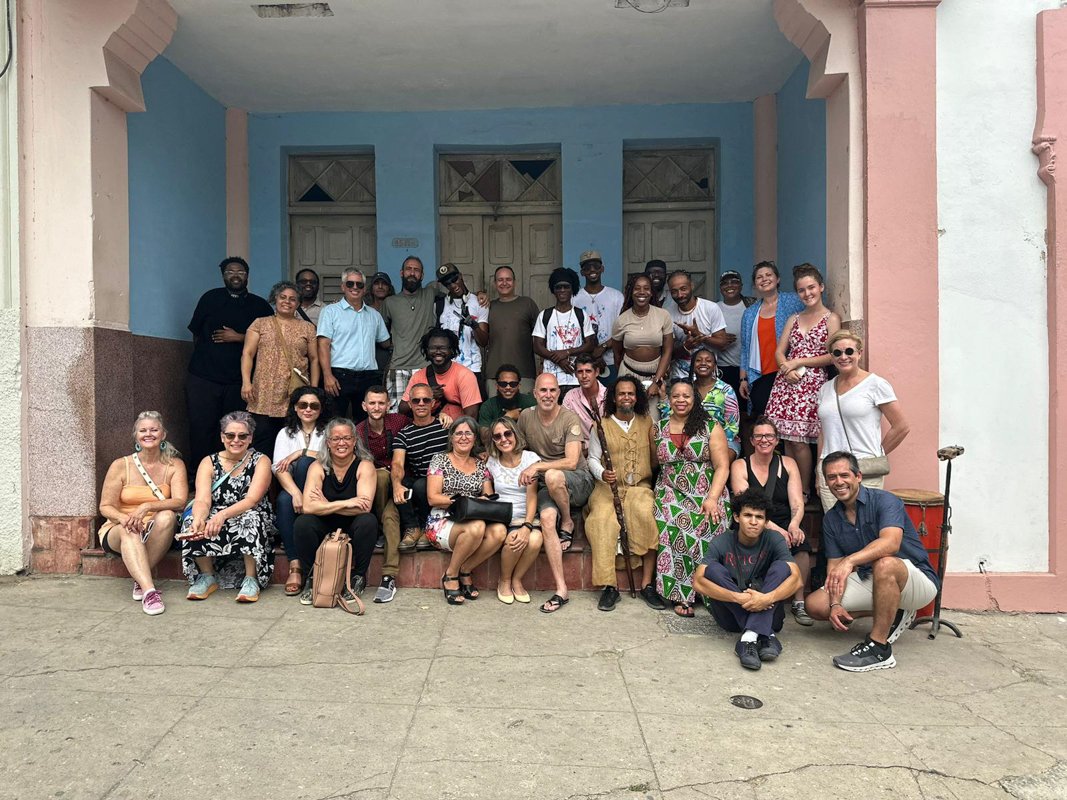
250,533
685,478
794,407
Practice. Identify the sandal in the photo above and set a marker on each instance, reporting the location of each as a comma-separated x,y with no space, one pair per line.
453,596
554,604
565,538
295,582
470,591
683,609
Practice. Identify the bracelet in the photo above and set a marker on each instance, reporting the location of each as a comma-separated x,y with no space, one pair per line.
835,604
527,525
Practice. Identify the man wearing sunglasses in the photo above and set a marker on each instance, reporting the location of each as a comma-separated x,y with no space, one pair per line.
213,384
348,332
413,448
508,400
460,312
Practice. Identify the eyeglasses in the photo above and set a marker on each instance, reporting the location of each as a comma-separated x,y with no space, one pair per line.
303,406
354,284
229,436
766,437
235,271
848,351
502,435
418,401
507,384
462,435
342,439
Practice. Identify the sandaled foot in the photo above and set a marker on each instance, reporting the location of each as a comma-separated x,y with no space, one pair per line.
566,538
554,604
683,609
454,597
466,585
295,582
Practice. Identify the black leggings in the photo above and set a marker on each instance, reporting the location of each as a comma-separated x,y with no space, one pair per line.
760,393
310,530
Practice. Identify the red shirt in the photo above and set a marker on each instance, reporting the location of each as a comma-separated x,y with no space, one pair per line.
381,444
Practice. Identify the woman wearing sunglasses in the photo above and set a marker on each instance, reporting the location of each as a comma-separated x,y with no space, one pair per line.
508,457
226,539
851,408
295,450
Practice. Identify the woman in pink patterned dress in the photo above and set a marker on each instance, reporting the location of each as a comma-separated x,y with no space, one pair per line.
802,361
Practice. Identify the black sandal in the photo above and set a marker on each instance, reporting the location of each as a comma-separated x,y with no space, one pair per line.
453,596
470,591
565,539
554,604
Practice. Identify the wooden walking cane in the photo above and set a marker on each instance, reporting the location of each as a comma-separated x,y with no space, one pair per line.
624,538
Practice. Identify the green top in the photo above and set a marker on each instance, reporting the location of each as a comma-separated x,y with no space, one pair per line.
492,410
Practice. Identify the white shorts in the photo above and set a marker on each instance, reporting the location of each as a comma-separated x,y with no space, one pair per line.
918,592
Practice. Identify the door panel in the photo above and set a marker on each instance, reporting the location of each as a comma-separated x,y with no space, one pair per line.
503,246
542,234
683,239
330,243
462,244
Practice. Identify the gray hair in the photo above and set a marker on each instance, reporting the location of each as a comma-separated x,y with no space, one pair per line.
278,288
471,423
167,451
241,418
360,448
352,271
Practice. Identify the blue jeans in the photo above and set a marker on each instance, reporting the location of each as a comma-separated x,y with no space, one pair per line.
284,513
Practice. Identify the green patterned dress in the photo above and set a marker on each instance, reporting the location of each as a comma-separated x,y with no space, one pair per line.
685,477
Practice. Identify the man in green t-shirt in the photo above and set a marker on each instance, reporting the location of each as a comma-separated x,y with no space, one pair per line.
508,400
408,315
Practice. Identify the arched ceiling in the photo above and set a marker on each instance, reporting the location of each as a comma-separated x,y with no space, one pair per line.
391,55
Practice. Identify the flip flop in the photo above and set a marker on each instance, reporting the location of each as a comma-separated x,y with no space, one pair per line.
683,609
565,538
554,604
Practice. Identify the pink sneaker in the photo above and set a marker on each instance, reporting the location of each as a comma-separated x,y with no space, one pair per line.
153,603
138,592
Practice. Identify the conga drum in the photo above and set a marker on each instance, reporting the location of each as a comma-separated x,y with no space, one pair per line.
926,510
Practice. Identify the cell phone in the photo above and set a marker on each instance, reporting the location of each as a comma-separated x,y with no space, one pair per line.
147,531
407,494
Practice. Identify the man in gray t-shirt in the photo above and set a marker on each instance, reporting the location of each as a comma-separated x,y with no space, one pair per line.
408,315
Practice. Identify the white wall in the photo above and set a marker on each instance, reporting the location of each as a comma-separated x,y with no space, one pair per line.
993,326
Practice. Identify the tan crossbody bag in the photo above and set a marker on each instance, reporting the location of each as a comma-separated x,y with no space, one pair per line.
333,568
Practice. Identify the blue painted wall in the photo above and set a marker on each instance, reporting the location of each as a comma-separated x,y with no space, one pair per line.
801,176
590,140
177,162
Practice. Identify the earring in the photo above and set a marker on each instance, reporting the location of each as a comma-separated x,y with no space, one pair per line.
137,447
163,446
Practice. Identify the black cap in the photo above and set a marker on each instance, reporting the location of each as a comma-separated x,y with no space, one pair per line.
656,262
730,274
446,271
382,276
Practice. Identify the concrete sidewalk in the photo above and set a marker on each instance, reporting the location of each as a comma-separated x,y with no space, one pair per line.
421,700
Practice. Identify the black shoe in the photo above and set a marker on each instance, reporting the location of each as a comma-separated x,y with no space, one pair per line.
608,598
769,648
652,598
359,583
867,656
380,544
748,652
900,624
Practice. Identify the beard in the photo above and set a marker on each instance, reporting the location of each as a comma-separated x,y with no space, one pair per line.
412,284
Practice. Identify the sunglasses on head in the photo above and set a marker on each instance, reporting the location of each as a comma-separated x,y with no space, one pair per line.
500,436
229,436
507,384
354,284
418,401
303,405
848,351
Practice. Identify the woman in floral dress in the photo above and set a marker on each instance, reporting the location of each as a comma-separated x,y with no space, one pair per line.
226,540
716,396
802,361
692,506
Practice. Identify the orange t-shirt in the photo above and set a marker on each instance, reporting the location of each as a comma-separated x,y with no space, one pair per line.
768,343
460,385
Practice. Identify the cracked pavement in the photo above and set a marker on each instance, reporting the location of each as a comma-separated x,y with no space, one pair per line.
421,700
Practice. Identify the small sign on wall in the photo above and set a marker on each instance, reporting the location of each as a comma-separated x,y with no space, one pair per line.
408,243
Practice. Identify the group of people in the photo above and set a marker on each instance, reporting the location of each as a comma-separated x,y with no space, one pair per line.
375,415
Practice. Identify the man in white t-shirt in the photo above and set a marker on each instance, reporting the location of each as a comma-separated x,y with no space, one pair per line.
601,304
562,331
461,313
697,322
732,306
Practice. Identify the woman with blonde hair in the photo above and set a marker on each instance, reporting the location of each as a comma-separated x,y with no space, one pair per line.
508,457
141,506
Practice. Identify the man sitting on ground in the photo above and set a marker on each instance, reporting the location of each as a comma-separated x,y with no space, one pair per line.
748,577
413,448
555,434
378,431
876,566
628,433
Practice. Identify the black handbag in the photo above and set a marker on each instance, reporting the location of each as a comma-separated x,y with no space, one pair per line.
466,509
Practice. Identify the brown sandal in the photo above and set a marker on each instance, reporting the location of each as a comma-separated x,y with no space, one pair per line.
295,582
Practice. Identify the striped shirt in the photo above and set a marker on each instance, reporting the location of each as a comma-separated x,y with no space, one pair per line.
420,444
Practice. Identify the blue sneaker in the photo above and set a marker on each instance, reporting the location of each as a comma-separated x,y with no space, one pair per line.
203,587
249,591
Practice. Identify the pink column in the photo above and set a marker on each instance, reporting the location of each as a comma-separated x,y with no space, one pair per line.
1048,591
897,51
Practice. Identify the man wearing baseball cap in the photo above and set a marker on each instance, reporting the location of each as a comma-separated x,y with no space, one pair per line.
732,305
601,304
460,312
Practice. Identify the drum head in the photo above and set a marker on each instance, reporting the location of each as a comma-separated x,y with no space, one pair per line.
920,497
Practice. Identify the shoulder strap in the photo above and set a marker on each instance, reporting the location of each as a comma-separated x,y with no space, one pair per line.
300,310
225,475
772,476
546,315
284,345
844,426
147,478
348,585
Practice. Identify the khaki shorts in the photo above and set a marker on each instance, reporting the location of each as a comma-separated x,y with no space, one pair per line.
918,592
827,497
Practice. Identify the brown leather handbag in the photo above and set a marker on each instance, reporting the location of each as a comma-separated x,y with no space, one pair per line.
333,568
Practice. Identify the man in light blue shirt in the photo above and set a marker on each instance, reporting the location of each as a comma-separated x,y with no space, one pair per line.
347,333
